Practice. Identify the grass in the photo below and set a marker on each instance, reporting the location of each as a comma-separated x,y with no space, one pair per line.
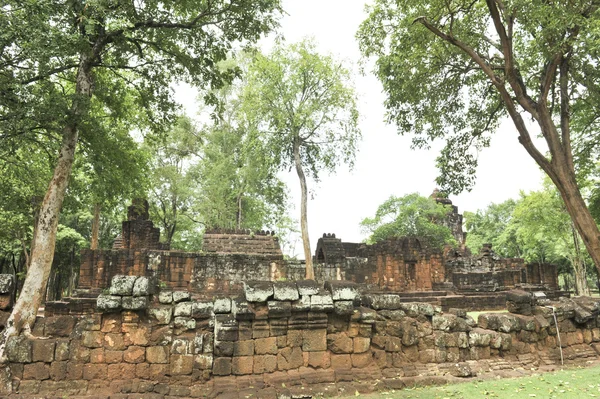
565,384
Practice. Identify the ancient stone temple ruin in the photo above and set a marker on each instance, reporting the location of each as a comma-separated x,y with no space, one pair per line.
237,320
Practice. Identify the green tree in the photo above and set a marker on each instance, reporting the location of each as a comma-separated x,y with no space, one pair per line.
491,225
74,54
454,69
174,189
305,107
410,216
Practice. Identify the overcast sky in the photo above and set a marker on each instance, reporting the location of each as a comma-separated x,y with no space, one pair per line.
385,164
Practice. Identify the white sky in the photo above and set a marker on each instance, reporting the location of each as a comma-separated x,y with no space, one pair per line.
385,164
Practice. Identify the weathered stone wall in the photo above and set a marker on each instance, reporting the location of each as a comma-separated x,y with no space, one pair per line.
282,337
241,242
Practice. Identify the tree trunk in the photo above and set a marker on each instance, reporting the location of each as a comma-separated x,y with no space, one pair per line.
95,227
34,288
310,273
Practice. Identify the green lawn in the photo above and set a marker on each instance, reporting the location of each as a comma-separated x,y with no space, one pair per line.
572,383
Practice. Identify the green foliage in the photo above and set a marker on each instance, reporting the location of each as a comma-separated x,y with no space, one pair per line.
296,95
492,225
436,90
410,216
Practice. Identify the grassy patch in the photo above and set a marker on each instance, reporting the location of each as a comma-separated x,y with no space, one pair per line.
573,383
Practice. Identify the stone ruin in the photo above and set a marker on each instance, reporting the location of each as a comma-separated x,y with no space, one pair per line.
238,320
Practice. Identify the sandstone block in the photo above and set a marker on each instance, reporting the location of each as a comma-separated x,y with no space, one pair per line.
241,310
243,348
264,364
382,301
134,354
61,351
108,303
203,361
183,309
343,361
43,350
95,371
343,290
180,296
340,343
241,365
279,309
134,302
92,339
265,346
361,344
361,360
321,302
36,371
289,358
343,308
462,370
58,371
222,305
320,359
59,326
113,356
258,291
480,337
181,364
157,354
165,297
307,287
222,366
145,286
114,341
314,340
162,314
202,310
285,291
302,304
122,285
185,323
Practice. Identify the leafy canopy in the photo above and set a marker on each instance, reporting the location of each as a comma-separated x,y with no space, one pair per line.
410,216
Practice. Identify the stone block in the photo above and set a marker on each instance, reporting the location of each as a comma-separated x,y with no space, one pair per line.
361,344
243,348
114,341
61,352
320,359
203,361
314,340
134,302
285,291
97,355
279,309
222,366
202,309
134,354
343,308
145,286
258,291
302,304
223,348
58,371
307,287
122,285
382,301
157,354
108,303
183,309
361,360
241,310
162,314
462,370
265,346
480,337
136,334
339,343
341,361
113,356
289,358
7,283
222,305
181,296
43,350
343,290
181,346
95,371
92,339
184,323
165,297
181,364
321,302
265,364
241,365
36,371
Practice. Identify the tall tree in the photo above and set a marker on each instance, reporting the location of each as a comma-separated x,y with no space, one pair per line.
305,107
105,48
410,216
491,225
464,65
